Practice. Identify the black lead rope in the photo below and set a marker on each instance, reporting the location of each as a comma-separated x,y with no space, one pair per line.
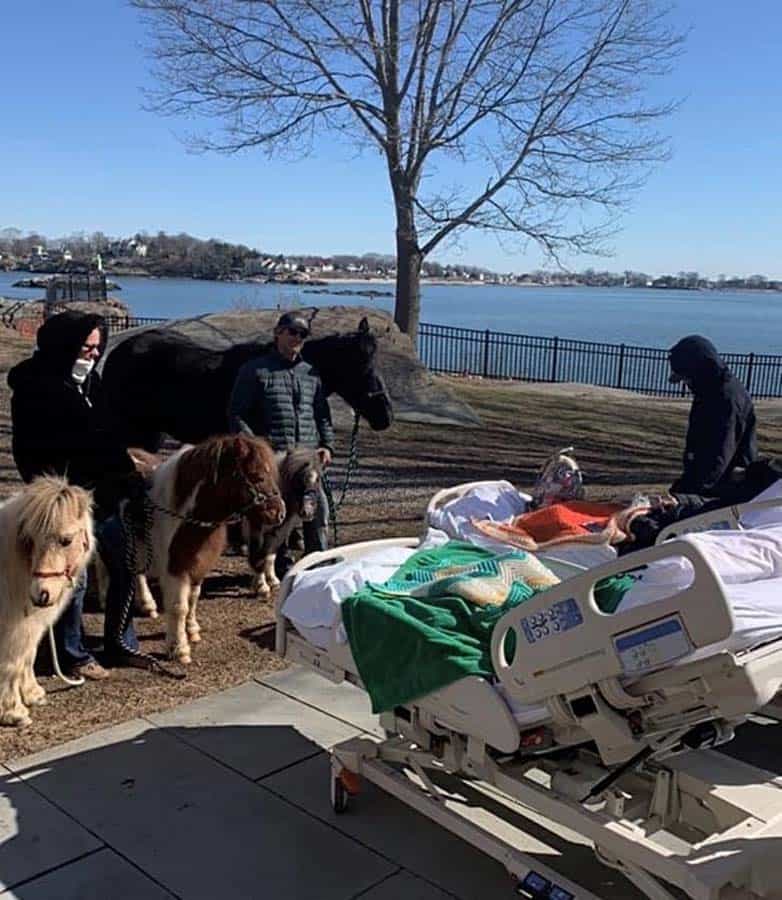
351,468
131,526
131,561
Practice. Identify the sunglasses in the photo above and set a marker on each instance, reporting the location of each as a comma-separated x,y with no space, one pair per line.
297,332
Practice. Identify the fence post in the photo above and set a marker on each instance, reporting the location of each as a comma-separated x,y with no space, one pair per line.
486,335
750,364
554,355
620,366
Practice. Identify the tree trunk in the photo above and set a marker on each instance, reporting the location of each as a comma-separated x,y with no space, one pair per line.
407,310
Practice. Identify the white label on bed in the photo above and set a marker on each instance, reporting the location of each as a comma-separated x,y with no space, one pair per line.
653,645
552,620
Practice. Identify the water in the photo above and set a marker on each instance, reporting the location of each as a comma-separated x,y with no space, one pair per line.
742,322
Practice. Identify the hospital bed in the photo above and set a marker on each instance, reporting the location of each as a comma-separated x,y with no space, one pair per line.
602,725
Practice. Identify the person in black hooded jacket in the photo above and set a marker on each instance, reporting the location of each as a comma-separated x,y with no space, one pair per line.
721,431
60,427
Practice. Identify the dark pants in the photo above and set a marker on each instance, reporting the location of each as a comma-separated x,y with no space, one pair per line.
316,531
68,632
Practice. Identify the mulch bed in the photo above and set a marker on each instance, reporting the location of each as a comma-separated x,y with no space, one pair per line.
624,443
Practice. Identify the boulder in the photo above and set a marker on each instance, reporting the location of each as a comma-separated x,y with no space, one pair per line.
416,394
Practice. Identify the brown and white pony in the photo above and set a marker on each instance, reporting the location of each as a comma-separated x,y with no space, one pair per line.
195,492
300,473
45,544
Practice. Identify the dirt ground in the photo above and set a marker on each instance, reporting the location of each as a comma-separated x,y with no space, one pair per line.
625,443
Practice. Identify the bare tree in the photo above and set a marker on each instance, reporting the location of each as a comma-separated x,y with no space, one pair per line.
544,98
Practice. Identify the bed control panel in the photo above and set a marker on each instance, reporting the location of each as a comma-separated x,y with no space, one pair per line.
554,619
536,887
652,646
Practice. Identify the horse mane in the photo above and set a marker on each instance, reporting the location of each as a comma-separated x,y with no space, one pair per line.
202,463
296,459
49,505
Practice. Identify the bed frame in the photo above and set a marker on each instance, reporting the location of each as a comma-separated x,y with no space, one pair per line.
608,765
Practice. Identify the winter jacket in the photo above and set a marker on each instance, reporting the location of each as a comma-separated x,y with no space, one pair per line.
282,401
60,427
721,432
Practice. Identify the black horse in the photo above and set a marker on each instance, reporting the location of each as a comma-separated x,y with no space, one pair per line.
159,382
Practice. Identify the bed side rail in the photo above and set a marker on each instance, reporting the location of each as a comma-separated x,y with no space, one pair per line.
564,642
448,495
725,518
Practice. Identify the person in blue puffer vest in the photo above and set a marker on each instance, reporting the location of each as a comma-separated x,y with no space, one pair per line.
280,397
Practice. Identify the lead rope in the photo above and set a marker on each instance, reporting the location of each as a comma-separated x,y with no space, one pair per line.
131,560
351,468
131,565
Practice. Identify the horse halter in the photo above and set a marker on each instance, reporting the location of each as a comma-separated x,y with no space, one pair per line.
258,497
67,572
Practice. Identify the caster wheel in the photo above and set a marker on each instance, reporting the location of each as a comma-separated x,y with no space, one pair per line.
339,796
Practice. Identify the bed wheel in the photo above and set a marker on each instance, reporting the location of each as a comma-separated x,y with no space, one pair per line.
339,796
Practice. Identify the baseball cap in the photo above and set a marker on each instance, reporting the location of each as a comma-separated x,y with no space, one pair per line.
293,320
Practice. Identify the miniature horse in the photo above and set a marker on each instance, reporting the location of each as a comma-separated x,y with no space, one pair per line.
221,478
300,472
160,382
45,544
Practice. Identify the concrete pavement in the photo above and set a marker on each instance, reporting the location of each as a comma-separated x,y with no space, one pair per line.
229,797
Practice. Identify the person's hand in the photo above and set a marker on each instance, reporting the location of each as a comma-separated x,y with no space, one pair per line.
664,502
324,455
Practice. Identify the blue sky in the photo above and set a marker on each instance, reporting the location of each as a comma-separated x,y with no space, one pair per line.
79,153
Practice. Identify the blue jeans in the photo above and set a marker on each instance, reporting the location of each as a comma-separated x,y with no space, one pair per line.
316,531
68,631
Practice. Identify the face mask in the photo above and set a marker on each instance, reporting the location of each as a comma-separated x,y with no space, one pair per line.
81,369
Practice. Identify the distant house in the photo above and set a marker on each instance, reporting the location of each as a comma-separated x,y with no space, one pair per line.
137,248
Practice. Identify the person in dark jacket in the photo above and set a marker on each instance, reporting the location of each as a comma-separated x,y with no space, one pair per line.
60,427
721,431
280,397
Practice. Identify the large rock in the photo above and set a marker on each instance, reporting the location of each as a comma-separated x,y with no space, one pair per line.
416,395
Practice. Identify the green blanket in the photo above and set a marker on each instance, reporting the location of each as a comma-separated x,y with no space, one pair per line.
425,628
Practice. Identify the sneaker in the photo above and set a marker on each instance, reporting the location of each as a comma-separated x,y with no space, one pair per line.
92,671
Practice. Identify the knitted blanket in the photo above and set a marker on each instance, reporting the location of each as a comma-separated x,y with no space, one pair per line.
430,624
575,521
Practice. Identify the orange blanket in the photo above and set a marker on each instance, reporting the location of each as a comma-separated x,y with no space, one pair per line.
576,521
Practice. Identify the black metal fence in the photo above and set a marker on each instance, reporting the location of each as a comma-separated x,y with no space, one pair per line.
522,357
123,323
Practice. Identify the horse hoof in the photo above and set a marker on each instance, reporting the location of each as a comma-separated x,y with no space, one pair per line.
183,656
194,637
15,719
261,588
36,700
